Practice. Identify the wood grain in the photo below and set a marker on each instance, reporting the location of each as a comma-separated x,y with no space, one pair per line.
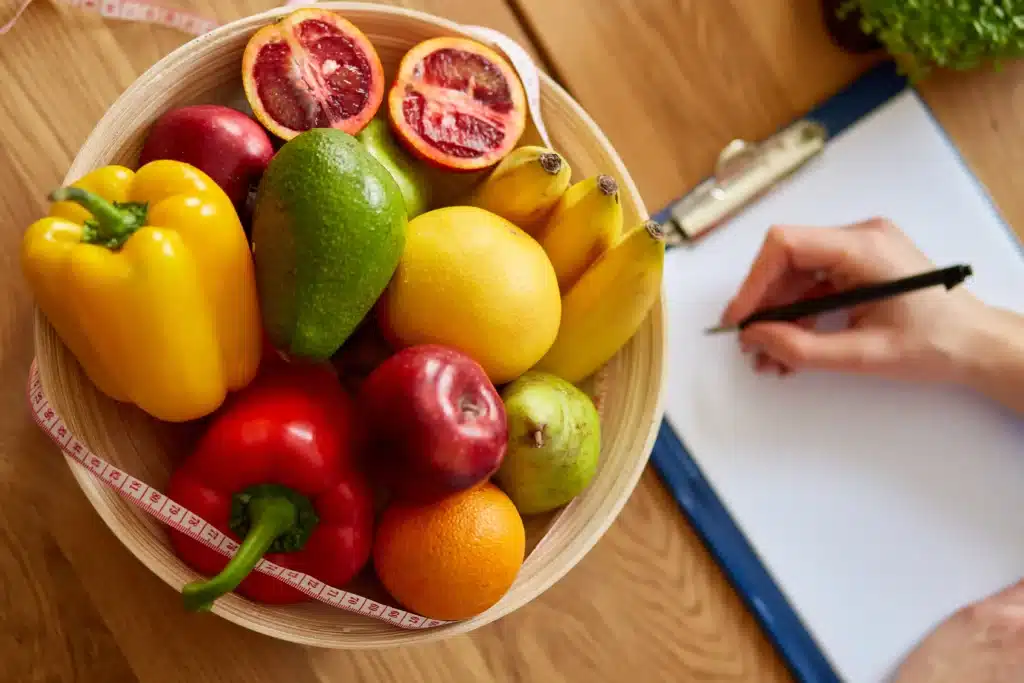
671,83
647,603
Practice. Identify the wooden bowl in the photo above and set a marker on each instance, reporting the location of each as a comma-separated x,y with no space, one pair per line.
207,69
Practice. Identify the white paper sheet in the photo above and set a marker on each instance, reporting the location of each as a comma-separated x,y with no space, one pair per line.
879,508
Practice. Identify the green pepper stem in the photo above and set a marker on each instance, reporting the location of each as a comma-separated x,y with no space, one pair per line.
271,516
111,224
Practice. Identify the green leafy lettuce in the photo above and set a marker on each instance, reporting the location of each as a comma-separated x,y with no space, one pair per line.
952,34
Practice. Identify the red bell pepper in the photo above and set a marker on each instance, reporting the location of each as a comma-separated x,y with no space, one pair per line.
276,471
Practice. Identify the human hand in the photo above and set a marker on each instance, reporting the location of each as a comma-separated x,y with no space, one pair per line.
982,643
918,336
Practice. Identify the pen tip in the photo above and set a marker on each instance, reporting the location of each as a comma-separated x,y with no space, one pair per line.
718,329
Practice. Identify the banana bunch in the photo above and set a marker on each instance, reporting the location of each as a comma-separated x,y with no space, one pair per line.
608,280
607,304
585,222
524,187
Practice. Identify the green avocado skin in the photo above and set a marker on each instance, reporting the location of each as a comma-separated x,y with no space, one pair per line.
328,230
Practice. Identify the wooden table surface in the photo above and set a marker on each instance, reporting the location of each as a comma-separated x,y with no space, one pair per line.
670,83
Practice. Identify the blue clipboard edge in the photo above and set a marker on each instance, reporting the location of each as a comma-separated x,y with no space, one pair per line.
696,496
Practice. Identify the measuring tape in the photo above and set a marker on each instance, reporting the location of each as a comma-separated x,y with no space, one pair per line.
148,498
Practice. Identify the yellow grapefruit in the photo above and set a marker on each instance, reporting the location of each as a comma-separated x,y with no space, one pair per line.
474,281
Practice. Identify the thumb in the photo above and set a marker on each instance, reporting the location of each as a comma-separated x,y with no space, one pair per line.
849,350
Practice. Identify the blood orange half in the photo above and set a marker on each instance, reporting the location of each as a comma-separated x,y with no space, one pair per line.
312,69
457,104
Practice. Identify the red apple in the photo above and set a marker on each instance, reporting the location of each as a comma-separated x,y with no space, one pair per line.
230,147
435,424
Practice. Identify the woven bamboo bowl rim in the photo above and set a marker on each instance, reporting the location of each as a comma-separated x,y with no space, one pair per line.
628,389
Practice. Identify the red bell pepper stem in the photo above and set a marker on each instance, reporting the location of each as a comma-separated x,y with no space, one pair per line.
270,517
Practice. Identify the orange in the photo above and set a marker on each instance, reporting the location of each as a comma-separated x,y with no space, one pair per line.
457,104
454,558
312,69
472,280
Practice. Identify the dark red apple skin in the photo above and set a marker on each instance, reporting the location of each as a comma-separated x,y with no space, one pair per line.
361,354
434,423
230,147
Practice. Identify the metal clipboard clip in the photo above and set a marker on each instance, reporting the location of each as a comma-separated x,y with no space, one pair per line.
744,172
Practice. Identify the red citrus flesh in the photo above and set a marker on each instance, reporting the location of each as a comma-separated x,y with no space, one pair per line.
312,69
457,104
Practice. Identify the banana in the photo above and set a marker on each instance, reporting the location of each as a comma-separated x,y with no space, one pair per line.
607,305
524,186
585,222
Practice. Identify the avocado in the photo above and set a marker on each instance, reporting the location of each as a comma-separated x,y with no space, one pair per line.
328,229
406,170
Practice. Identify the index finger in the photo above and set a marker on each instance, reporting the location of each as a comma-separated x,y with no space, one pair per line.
786,250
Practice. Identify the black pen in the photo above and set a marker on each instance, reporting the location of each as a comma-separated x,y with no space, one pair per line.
948,277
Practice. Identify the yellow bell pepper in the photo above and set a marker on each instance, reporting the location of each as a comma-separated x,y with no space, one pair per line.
148,279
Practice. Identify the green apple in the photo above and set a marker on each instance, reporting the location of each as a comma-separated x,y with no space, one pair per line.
411,176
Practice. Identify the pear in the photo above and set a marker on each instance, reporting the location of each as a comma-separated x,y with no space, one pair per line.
554,440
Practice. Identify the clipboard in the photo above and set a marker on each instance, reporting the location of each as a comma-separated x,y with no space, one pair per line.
744,174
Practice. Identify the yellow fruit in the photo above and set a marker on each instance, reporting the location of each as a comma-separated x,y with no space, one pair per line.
585,222
472,280
524,186
452,559
606,306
